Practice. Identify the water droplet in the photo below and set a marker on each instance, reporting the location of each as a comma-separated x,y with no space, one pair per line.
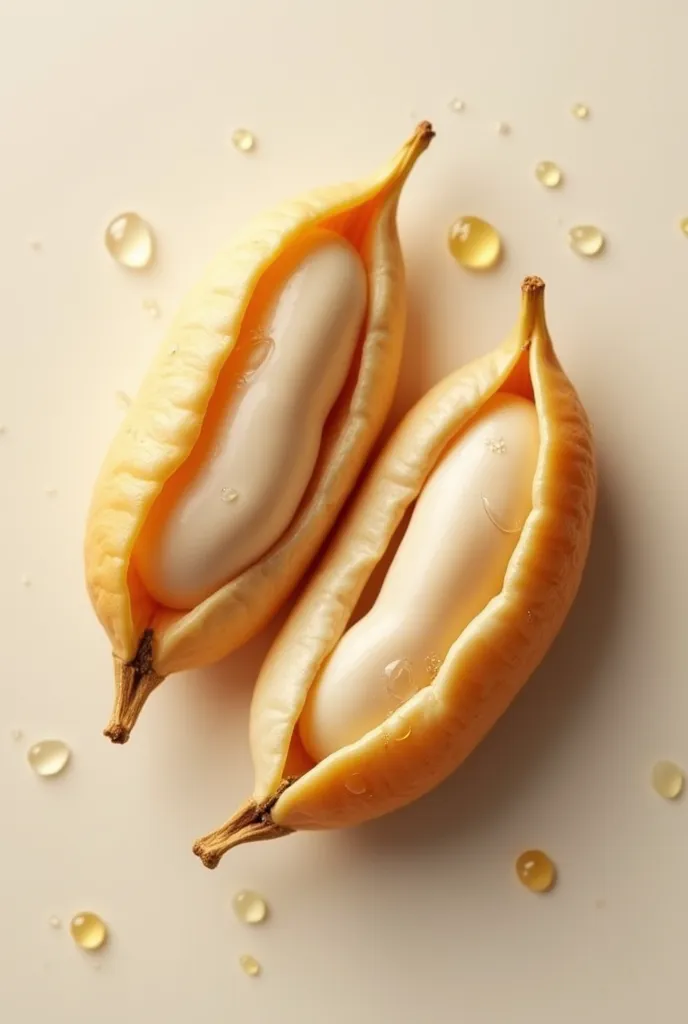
129,240
549,174
536,871
356,784
400,683
88,930
495,519
243,140
496,445
123,400
3,428
249,965
403,735
474,243
433,664
250,907
580,111
35,244
502,128
26,580
49,757
54,922
600,904
151,307
586,240
228,495
529,615
16,734
684,226
456,105
668,779
50,492
262,347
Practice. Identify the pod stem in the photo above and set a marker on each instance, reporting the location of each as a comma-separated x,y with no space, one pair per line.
252,823
417,144
532,318
134,682
406,159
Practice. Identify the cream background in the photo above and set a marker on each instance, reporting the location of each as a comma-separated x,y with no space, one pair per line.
130,105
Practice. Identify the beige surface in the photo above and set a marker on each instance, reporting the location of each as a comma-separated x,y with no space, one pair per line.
419,916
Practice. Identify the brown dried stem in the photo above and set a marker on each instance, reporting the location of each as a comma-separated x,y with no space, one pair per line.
252,823
134,682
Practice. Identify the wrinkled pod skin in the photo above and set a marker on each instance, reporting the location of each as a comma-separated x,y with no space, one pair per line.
430,734
205,353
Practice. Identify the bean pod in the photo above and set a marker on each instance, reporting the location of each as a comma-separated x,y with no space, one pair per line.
183,565
308,775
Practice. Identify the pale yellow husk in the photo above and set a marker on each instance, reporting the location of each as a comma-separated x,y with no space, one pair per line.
166,419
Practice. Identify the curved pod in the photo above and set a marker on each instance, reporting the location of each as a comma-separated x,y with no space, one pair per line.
429,735
165,424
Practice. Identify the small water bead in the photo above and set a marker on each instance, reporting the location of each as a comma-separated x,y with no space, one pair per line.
549,174
151,307
54,922
229,495
580,111
400,682
474,243
123,400
404,735
51,492
49,757
262,348
668,779
502,128
356,784
684,226
130,241
17,734
243,140
249,965
250,907
496,445
26,580
457,106
586,240
35,244
88,930
433,663
496,519
536,871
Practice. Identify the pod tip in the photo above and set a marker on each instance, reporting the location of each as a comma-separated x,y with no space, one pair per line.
252,823
134,682
421,138
210,860
116,732
532,285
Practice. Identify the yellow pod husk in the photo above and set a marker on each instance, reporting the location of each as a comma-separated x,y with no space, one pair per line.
166,418
429,736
